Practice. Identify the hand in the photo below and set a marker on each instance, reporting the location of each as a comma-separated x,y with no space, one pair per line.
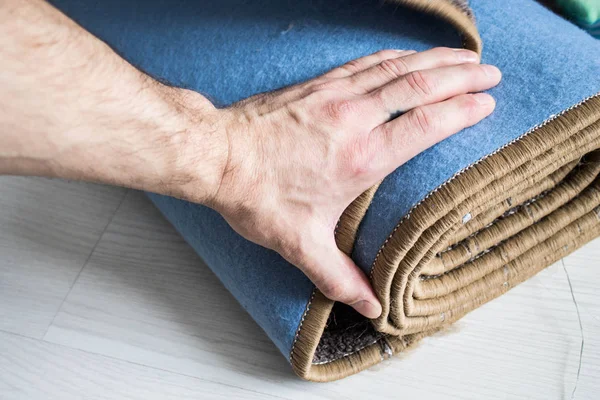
299,156
281,167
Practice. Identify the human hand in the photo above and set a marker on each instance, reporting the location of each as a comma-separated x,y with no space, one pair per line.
299,156
281,167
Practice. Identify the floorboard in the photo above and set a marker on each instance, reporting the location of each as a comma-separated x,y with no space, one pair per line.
145,308
48,229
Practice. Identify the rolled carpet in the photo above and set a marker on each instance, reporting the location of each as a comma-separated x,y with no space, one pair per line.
453,228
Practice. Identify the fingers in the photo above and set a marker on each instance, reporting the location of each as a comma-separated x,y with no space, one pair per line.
419,88
339,279
360,64
401,139
387,70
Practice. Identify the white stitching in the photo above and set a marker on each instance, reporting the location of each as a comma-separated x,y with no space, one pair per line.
314,292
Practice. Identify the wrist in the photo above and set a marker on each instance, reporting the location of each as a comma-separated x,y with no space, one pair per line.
192,146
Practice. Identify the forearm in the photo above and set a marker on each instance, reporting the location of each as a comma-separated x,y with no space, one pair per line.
70,107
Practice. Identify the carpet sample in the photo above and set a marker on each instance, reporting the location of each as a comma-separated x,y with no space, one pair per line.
457,225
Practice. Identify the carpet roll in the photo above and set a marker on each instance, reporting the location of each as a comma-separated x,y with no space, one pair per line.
453,228
489,228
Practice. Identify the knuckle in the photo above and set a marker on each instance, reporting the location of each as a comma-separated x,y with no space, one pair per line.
469,107
393,68
378,98
420,83
352,66
339,110
385,130
422,122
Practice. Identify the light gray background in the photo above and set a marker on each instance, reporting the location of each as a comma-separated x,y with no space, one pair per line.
101,299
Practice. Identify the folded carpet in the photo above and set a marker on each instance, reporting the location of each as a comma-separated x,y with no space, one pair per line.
456,226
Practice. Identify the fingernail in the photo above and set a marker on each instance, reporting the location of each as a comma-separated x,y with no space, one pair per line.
406,52
491,71
367,309
467,55
484,99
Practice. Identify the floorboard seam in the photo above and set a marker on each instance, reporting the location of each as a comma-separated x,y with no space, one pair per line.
87,260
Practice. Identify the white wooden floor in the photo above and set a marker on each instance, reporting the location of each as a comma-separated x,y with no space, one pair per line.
101,299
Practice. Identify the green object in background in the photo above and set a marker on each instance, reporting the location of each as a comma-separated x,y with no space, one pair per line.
585,13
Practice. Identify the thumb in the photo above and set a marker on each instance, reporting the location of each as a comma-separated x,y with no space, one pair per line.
339,278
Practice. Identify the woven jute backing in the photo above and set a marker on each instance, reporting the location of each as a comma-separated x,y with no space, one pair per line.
492,226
